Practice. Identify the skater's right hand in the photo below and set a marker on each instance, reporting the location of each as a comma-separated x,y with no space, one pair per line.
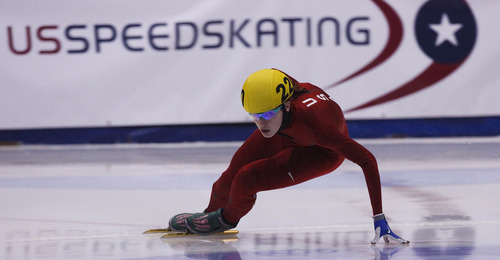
382,229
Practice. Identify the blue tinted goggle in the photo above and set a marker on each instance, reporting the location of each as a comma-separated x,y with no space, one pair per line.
266,115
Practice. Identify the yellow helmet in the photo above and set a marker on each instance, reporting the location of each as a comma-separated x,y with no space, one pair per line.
265,90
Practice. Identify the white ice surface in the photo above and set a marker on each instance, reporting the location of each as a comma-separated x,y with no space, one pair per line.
93,202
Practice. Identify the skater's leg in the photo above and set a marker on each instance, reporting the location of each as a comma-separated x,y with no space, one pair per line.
256,147
292,166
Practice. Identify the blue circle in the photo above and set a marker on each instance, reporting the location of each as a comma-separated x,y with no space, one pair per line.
458,12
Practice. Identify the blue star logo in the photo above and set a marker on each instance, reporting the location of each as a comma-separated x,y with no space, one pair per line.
446,30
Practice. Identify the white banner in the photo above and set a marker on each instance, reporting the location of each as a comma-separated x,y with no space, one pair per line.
131,62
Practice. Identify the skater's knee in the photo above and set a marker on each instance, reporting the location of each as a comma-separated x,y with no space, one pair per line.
247,179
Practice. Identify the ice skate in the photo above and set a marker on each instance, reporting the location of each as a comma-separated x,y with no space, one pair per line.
178,222
208,223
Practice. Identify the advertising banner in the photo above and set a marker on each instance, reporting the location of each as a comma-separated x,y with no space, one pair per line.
130,63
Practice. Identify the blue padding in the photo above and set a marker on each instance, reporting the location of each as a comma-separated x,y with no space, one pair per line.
142,134
428,127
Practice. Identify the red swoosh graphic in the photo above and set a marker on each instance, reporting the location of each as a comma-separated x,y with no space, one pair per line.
395,36
434,73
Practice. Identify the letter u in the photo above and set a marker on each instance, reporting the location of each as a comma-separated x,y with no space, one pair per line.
11,41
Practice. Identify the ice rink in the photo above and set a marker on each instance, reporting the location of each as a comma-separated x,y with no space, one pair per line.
94,201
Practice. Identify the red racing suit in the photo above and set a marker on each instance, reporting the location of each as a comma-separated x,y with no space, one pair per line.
314,142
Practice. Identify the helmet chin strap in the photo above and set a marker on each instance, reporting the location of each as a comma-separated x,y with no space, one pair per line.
287,118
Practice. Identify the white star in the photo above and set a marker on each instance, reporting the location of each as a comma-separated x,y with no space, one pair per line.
446,31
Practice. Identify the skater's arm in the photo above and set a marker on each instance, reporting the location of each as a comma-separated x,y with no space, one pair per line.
331,138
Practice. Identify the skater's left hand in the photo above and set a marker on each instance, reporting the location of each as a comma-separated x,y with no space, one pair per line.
382,229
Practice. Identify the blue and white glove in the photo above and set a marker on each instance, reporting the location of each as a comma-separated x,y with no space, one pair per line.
382,229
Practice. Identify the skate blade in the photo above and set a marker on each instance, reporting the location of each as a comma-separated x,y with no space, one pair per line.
157,231
187,234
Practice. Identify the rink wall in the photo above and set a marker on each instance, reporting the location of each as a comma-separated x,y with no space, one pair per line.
402,128
169,71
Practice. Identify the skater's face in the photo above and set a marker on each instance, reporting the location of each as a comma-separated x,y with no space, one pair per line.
270,125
